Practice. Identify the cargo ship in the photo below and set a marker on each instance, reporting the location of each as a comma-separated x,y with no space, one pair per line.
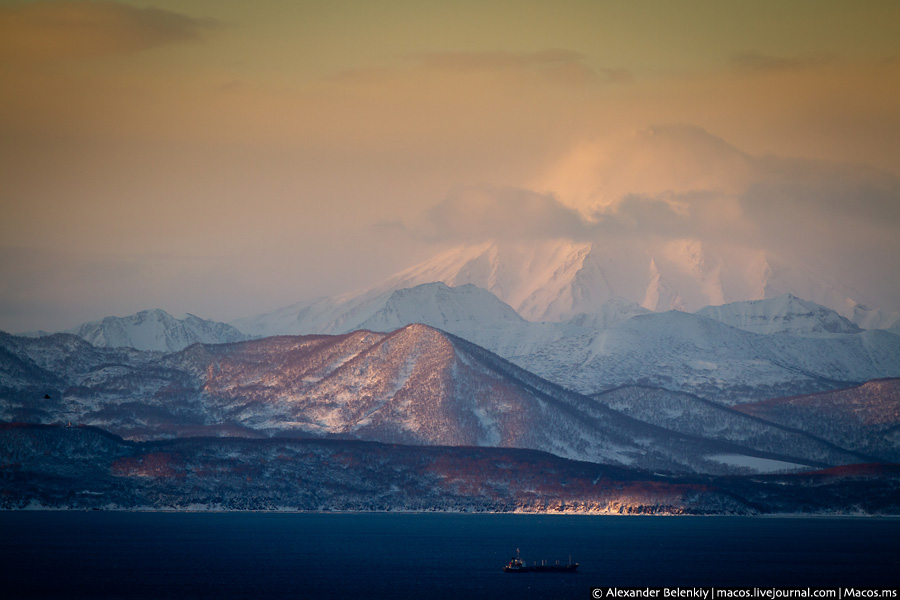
517,565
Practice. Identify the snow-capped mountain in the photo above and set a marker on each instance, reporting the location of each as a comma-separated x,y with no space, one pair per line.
461,309
556,280
876,318
553,280
416,385
691,353
155,330
783,314
550,280
615,311
729,355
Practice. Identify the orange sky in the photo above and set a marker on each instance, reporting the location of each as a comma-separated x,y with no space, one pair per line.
227,158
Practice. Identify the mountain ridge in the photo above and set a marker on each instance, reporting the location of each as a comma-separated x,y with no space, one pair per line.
856,418
556,279
780,314
83,468
793,346
416,385
155,329
739,352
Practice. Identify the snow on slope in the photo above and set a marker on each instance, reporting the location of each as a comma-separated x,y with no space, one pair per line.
555,280
865,418
462,309
416,385
783,314
622,343
536,278
690,353
876,318
615,311
155,330
691,415
550,280
442,307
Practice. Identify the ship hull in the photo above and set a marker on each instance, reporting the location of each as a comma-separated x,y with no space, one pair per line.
542,569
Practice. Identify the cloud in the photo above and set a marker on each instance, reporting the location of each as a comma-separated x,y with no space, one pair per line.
832,218
484,212
682,183
700,214
789,213
521,79
53,30
825,209
668,175
490,61
661,161
756,62
556,65
678,186
478,213
837,190
369,75
679,181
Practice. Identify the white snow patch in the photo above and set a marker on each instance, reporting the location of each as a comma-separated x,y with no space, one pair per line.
704,365
488,426
760,465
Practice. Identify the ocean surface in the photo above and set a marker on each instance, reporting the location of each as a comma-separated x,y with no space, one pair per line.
285,555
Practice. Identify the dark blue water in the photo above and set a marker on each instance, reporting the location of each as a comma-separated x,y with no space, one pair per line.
255,555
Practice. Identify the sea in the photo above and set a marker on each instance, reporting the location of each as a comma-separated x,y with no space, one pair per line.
69,554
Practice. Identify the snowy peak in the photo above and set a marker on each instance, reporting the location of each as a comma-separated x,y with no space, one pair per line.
462,309
876,318
783,314
555,280
413,385
616,310
703,356
155,330
416,385
444,307
536,278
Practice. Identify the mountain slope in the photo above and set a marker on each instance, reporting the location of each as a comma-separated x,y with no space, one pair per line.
416,385
690,353
460,308
865,418
463,308
155,330
82,468
557,279
783,314
691,415
621,343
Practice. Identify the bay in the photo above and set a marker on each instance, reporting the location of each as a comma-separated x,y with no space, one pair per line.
45,554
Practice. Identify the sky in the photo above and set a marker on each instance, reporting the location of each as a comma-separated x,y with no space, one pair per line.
229,158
